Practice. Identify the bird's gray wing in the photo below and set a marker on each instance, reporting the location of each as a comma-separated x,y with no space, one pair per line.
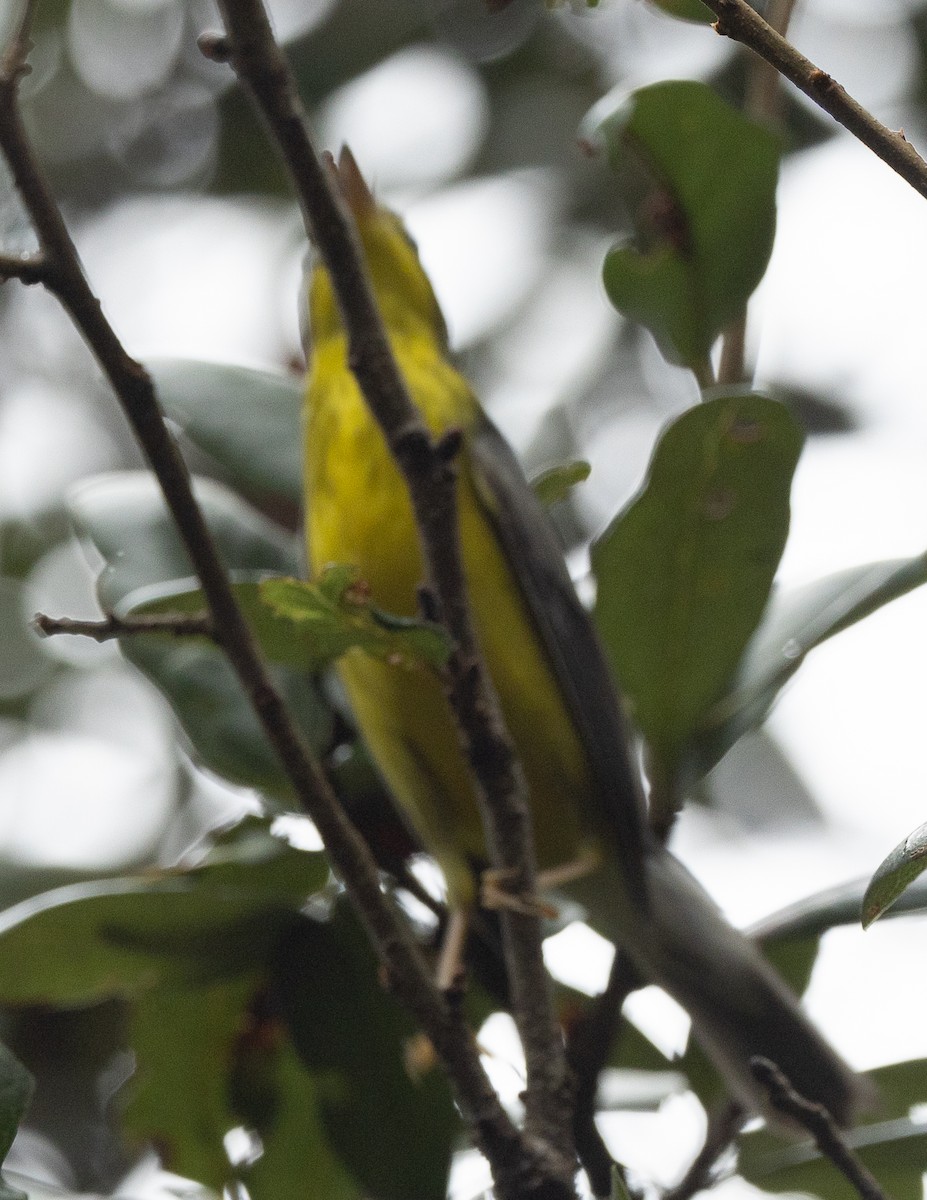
533,551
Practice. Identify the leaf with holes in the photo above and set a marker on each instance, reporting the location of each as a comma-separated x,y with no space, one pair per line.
700,181
684,573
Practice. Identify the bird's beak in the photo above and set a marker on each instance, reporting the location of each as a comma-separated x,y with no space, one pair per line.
351,183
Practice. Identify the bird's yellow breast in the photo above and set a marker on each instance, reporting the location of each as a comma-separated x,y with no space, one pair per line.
359,513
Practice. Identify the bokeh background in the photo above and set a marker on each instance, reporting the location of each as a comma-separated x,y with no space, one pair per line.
467,122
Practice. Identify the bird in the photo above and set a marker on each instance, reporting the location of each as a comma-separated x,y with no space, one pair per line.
555,687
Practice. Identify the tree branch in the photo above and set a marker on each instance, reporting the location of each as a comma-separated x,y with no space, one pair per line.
407,968
738,21
176,624
430,473
31,268
819,1123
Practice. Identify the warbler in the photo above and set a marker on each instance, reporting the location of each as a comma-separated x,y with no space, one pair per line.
556,693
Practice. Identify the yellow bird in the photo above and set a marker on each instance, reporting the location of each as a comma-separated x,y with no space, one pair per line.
553,683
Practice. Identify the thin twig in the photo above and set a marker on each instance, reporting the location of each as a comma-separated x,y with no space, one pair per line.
31,268
13,64
723,1126
819,1123
430,473
763,103
406,966
176,624
738,21
588,1045
763,99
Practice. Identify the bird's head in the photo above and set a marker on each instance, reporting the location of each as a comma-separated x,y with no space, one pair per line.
402,288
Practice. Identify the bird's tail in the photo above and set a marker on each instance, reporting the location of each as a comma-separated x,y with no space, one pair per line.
739,1006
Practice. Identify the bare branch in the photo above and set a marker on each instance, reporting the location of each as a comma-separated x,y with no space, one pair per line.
13,63
430,474
819,1123
738,21
176,624
31,268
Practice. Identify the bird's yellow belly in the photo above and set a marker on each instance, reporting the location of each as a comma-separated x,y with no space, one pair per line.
362,516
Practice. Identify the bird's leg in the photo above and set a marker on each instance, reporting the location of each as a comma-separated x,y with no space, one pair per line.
495,890
496,893
585,863
453,945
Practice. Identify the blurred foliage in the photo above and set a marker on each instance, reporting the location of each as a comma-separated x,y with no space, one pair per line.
264,1020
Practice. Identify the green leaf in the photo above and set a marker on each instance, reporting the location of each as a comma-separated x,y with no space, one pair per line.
895,875
554,485
298,1159
223,1050
334,614
686,10
248,421
793,958
832,907
683,574
795,622
702,185
125,518
307,626
900,1086
178,1099
359,1045
16,1087
117,936
895,1152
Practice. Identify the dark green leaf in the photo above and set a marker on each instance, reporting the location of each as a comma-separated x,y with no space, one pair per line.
16,1085
298,1159
386,1107
124,515
684,572
334,614
705,214
117,936
178,1099
686,10
793,958
835,906
801,124
795,622
900,1087
125,518
246,420
633,1050
220,1049
895,1152
555,485
895,875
